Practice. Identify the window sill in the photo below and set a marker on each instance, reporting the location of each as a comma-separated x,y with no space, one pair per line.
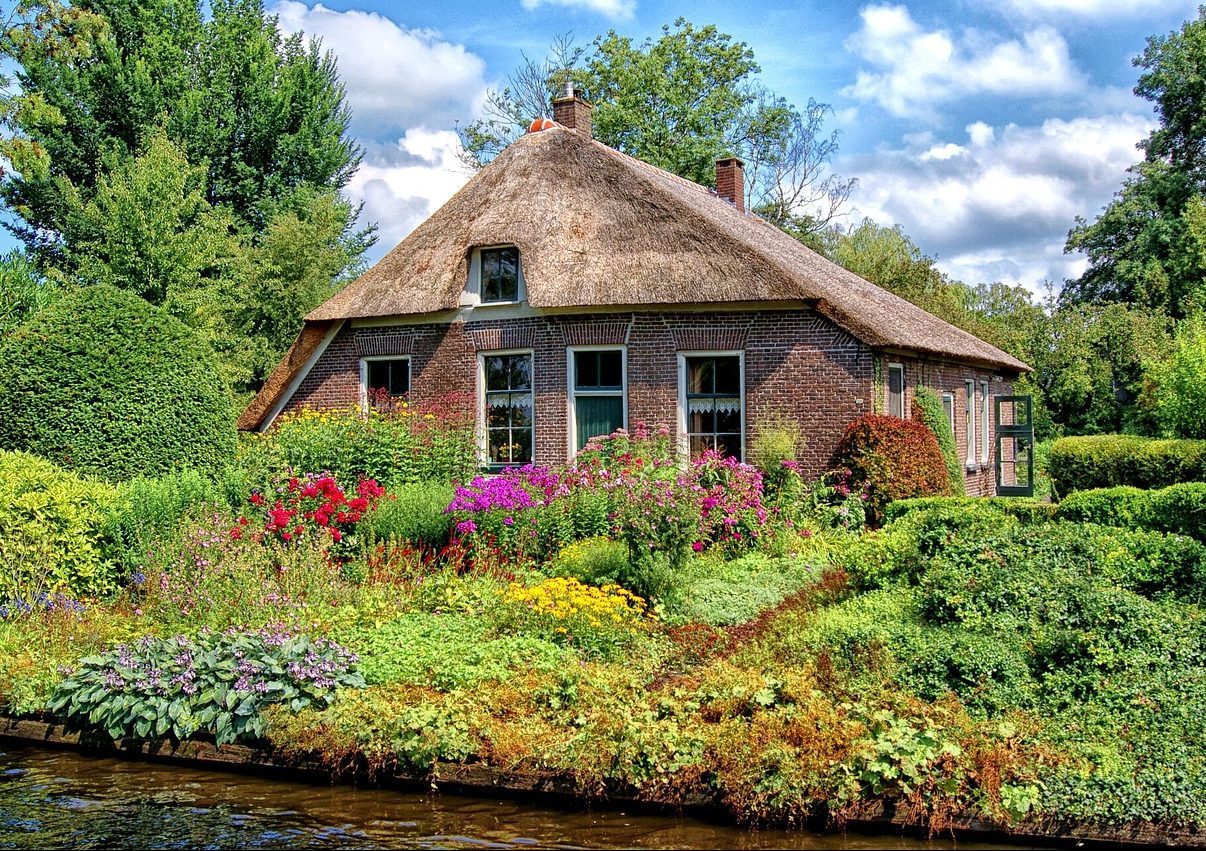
496,303
972,468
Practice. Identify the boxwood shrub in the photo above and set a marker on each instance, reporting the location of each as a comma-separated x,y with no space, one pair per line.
1109,460
1180,509
104,383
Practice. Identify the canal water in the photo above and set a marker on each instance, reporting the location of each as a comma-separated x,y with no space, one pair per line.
61,799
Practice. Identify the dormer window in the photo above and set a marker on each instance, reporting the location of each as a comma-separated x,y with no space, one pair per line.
500,275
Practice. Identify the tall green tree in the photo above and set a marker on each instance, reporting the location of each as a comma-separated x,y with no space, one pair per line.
680,102
176,147
1145,247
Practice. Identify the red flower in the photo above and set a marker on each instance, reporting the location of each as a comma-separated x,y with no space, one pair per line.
336,535
236,533
257,498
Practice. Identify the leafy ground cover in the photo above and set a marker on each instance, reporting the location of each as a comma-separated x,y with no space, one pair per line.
631,622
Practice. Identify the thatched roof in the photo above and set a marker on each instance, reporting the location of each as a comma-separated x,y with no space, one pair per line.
595,227
278,382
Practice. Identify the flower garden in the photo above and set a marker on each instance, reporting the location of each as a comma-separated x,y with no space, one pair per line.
350,589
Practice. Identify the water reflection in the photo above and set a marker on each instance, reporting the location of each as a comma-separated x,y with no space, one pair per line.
64,800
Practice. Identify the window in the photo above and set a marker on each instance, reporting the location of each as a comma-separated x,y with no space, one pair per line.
383,380
983,422
712,403
499,275
970,423
597,378
948,405
509,408
896,390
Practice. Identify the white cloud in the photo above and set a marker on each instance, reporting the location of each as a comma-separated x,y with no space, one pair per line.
403,184
396,78
998,204
912,69
617,10
1086,8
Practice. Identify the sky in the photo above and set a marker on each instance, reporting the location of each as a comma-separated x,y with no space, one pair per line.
983,128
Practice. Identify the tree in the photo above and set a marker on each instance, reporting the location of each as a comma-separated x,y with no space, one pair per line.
1145,247
177,146
1178,383
681,102
23,291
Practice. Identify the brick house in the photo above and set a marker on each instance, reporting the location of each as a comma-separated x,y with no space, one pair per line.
574,289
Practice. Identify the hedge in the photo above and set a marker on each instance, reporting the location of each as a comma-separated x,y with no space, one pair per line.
1026,510
1106,461
104,383
1179,509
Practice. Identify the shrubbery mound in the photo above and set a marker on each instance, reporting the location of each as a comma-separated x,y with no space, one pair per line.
893,459
104,383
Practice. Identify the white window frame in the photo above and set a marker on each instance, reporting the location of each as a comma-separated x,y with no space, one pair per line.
483,440
970,422
948,405
888,391
984,422
473,290
684,438
572,393
364,362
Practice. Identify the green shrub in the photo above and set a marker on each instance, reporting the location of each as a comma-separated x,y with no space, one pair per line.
1106,461
921,528
400,446
148,511
892,458
778,439
415,514
595,561
52,530
722,593
928,408
104,383
1180,509
447,651
1025,510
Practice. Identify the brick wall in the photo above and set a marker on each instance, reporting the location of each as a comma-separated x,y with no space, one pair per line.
944,377
797,365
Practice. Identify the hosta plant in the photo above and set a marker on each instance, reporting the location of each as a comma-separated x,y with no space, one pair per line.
216,681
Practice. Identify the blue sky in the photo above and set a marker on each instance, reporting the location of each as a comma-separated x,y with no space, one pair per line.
982,127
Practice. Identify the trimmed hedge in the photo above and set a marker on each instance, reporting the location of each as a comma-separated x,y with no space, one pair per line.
1180,509
894,459
104,383
1026,510
1109,460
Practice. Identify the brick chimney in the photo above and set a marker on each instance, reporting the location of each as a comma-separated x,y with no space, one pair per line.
730,181
571,111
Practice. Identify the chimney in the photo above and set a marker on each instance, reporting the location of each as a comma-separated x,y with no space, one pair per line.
730,181
572,111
